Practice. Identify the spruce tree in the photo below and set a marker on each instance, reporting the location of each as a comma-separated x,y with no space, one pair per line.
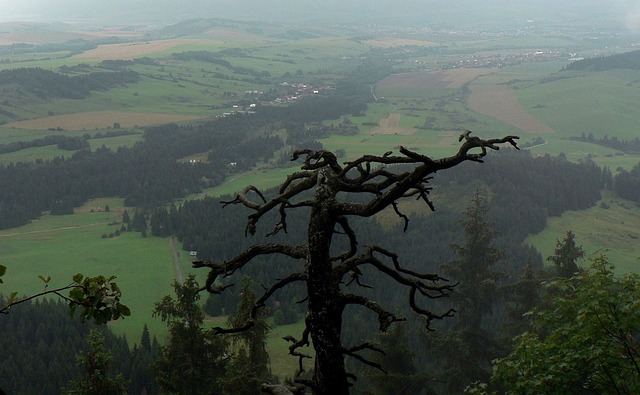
566,255
97,362
194,359
249,366
468,348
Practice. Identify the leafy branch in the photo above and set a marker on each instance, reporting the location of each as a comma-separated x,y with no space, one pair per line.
92,298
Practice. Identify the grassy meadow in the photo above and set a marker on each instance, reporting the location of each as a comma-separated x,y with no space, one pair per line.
61,246
610,228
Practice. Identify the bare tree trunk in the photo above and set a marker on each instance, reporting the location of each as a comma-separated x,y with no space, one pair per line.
323,291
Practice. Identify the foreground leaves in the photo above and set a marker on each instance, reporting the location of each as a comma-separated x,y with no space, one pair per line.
92,298
586,341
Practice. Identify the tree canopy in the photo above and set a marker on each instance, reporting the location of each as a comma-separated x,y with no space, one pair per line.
585,340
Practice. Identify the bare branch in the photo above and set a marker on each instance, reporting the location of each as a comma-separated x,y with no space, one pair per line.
385,318
227,268
389,192
415,156
293,348
353,242
352,352
5,309
404,217
260,303
355,276
430,316
317,159
241,198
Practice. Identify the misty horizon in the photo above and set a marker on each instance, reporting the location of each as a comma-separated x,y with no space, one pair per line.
621,14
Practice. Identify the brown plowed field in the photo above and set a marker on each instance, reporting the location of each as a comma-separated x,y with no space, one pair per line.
500,102
100,120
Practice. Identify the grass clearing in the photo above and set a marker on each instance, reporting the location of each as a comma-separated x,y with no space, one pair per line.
61,246
48,152
284,365
572,103
613,231
113,143
260,178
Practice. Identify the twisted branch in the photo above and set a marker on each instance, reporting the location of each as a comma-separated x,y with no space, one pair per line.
227,268
353,352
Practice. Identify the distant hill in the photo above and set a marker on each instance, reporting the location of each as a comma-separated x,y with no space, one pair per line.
627,60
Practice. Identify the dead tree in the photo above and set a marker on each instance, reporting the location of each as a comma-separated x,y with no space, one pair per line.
326,276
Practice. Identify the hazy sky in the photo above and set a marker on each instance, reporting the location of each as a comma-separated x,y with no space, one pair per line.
621,12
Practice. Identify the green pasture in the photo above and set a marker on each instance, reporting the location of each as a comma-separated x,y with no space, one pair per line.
50,152
12,135
61,246
260,178
613,231
614,162
572,103
113,143
284,365
375,112
574,150
34,57
46,63
31,154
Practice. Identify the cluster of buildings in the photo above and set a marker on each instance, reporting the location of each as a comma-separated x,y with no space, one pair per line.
499,60
292,91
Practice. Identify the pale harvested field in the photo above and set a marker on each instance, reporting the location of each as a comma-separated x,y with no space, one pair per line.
99,120
129,51
391,125
452,78
500,102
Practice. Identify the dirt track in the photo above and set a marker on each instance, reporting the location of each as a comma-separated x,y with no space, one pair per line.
176,259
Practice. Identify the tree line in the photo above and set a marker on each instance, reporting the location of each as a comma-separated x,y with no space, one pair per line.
631,147
151,173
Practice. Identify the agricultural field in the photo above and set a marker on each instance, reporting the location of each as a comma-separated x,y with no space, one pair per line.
91,120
